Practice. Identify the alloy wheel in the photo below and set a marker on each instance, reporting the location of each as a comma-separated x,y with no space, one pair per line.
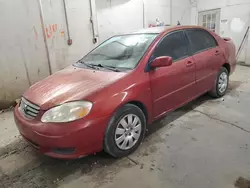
223,82
128,131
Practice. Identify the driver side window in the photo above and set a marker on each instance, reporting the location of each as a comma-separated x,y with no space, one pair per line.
173,45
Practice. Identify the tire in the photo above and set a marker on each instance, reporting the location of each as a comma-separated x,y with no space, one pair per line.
115,128
217,91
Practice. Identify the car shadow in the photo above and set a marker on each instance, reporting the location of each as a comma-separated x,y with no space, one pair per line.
172,116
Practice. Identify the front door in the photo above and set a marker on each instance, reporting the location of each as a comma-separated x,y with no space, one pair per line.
174,85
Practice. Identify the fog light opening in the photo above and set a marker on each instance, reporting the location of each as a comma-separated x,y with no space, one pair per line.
63,151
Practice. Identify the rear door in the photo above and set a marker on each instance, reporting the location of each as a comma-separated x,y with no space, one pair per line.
208,57
174,85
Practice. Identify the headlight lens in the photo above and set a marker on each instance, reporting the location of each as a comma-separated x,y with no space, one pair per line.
67,112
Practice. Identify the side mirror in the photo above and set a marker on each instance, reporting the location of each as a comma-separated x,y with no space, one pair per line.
163,61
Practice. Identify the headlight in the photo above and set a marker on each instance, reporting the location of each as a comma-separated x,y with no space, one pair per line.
67,112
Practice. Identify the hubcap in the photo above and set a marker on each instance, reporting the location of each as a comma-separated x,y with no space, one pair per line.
128,131
223,81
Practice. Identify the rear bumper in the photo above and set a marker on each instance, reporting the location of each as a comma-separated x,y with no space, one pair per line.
82,137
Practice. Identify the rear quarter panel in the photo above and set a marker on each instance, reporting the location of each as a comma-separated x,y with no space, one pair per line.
229,50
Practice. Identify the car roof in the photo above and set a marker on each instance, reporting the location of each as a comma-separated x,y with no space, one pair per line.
155,30
162,29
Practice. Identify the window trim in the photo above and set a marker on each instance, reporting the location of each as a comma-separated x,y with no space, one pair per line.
147,68
190,42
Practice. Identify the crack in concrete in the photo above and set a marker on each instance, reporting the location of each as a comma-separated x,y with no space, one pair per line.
132,160
223,121
11,152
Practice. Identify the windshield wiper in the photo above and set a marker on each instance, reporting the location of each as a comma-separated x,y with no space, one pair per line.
107,67
86,64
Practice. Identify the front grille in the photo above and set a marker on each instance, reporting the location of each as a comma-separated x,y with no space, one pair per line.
29,109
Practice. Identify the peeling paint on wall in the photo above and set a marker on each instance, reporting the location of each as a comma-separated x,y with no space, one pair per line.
51,30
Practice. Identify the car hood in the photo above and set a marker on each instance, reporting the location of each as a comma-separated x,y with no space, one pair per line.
70,84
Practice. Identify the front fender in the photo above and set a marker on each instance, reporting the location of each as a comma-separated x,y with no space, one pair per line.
108,105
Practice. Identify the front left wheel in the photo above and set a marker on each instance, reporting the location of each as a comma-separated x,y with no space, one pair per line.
125,131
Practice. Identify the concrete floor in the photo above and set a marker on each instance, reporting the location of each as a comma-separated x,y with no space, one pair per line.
205,144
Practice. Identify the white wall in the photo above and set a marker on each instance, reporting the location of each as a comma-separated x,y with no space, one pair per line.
78,11
80,28
23,58
157,9
181,11
214,4
236,24
118,16
123,16
54,22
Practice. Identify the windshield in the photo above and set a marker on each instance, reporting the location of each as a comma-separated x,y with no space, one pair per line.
120,52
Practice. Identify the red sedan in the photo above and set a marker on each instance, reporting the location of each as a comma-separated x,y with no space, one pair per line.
106,99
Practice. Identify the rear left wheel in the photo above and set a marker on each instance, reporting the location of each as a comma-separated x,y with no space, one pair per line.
221,84
125,131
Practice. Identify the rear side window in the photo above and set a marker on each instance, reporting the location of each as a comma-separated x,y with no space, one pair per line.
173,45
200,40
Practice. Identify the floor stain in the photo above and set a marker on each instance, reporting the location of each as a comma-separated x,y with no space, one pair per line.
242,183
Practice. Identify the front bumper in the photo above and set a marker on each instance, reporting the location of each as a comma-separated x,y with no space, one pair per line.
65,140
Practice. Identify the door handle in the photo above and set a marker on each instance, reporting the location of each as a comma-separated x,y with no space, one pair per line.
217,52
189,64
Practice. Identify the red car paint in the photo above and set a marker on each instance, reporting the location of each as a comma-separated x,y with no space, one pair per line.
183,82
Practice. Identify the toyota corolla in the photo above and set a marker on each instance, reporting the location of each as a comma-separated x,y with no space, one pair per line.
106,99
